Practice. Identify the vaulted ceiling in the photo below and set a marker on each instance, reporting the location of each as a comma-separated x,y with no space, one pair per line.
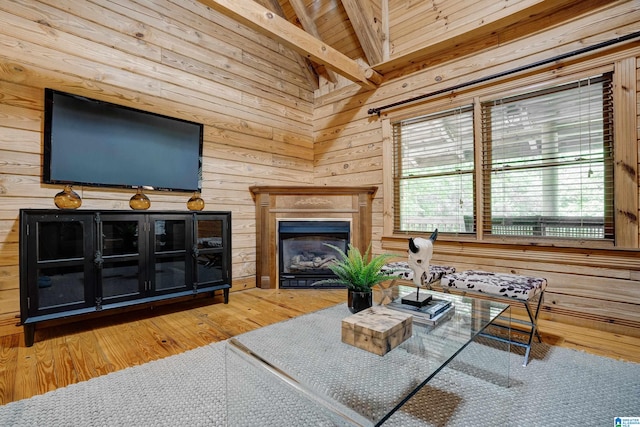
368,41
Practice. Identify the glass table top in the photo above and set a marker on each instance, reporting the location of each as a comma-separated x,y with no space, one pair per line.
355,386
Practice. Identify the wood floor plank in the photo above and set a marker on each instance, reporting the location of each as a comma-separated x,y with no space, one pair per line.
179,337
64,369
143,340
115,345
45,366
8,366
78,351
86,356
26,379
592,341
190,330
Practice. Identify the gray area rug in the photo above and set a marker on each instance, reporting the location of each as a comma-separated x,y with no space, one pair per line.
212,386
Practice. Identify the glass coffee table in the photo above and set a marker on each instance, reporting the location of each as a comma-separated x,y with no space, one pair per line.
339,384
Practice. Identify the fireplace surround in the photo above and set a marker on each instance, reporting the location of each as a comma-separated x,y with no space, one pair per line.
275,204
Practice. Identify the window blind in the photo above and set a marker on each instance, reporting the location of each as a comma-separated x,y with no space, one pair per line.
547,162
433,172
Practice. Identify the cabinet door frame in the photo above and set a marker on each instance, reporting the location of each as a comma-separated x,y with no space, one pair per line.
141,242
154,256
30,304
224,251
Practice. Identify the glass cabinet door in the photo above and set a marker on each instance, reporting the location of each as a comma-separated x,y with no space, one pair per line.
143,255
169,266
122,241
209,252
59,268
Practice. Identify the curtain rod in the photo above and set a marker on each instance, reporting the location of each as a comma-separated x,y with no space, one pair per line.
607,43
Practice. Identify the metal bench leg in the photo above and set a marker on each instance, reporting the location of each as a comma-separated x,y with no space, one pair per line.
533,317
526,355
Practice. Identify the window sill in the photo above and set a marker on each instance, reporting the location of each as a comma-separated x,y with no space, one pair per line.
394,241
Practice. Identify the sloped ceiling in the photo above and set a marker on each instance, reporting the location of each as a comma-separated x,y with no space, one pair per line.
369,41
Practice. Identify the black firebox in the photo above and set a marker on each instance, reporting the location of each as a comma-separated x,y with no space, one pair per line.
303,254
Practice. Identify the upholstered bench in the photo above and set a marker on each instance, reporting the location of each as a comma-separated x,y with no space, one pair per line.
402,270
403,273
510,287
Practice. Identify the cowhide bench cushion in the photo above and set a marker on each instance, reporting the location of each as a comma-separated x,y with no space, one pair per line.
500,284
403,271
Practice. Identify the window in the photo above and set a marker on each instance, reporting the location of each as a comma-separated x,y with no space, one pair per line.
546,171
547,162
433,172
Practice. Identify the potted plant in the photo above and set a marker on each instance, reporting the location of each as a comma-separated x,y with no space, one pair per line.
359,274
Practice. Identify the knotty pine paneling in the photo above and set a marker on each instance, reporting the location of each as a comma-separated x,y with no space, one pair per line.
597,286
170,57
416,28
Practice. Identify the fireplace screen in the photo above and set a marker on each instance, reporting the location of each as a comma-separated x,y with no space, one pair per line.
303,254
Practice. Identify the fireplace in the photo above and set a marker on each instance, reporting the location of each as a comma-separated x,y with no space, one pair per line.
303,256
275,204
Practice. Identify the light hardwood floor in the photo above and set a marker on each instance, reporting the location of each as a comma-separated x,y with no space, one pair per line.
78,351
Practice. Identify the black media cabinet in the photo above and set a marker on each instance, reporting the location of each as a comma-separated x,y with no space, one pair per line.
87,261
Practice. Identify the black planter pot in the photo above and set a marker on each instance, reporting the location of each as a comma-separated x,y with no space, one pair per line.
358,301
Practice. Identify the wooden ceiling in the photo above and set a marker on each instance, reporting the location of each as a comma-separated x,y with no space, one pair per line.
369,41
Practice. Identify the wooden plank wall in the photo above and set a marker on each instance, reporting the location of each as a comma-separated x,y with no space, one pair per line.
414,24
589,286
173,57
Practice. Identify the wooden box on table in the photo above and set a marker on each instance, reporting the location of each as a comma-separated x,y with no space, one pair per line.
377,329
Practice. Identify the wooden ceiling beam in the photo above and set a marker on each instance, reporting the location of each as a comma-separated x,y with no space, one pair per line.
305,64
261,19
310,27
367,26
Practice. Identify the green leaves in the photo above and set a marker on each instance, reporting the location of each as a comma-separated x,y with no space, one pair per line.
355,272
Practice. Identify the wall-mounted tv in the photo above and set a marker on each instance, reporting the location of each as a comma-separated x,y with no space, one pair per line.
97,143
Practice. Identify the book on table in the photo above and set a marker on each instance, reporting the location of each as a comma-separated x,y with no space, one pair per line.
432,313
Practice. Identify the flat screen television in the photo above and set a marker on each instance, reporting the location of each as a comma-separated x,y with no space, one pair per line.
97,143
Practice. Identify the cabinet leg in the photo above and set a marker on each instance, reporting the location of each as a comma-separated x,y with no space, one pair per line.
226,295
29,334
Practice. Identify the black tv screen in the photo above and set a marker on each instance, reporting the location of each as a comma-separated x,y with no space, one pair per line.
97,143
